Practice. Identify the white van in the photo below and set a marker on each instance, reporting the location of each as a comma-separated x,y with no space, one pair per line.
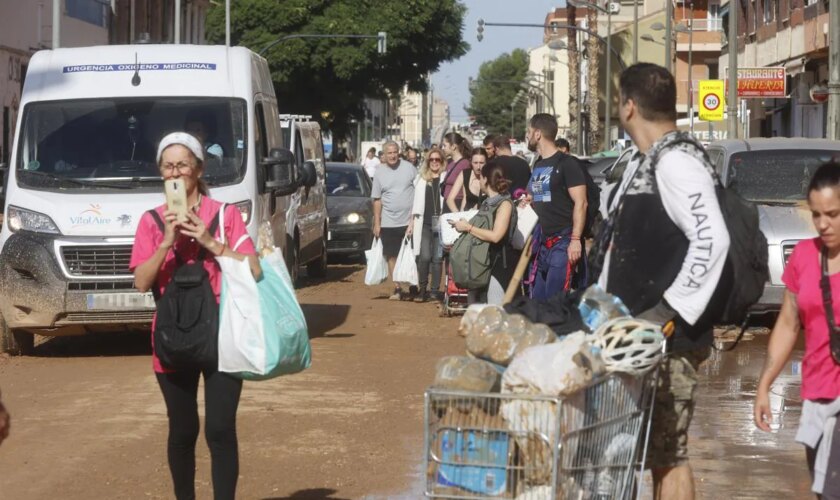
83,172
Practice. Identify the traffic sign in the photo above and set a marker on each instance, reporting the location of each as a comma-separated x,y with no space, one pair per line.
711,100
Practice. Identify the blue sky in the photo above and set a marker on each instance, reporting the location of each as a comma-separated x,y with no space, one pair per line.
451,81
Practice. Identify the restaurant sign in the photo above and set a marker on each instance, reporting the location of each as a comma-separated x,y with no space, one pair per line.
768,83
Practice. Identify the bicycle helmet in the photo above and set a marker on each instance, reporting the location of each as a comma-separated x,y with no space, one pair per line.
629,345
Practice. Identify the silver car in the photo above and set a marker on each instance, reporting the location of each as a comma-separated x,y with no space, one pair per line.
774,174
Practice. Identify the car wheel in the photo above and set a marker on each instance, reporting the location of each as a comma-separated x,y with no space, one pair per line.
293,259
15,342
318,268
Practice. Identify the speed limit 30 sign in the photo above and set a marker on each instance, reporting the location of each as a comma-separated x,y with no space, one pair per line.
711,100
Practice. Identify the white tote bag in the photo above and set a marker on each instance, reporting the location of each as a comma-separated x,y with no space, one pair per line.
526,221
405,269
377,266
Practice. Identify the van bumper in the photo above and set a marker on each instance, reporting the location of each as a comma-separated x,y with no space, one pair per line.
37,296
771,299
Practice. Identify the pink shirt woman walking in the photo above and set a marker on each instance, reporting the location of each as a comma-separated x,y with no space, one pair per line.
803,308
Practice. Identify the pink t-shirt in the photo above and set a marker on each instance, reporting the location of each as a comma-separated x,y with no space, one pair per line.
820,374
148,238
453,170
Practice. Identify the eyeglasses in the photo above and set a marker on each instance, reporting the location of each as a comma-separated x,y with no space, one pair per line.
182,167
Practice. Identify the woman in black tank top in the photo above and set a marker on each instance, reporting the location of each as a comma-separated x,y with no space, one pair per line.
468,185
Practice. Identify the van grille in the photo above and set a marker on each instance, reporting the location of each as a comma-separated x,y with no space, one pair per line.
106,317
97,260
787,250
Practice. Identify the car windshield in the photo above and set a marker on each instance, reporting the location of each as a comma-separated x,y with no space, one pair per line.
112,143
777,176
342,182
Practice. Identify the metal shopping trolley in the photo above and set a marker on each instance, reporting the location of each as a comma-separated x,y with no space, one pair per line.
588,445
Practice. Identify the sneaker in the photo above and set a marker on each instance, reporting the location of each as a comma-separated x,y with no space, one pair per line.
397,295
436,296
422,297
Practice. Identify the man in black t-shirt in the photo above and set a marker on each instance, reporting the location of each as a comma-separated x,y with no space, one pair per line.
558,195
517,170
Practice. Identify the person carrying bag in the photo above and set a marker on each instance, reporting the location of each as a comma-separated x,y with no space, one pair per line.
176,258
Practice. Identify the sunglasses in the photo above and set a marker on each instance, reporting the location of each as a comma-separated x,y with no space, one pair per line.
435,160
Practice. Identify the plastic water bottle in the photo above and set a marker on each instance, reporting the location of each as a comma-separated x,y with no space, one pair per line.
597,307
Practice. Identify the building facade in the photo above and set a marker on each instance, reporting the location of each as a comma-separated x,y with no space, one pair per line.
789,34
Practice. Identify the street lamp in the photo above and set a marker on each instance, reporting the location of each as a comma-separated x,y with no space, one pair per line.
381,40
524,85
608,97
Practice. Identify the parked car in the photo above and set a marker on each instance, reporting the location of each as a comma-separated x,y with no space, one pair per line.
774,174
610,176
350,209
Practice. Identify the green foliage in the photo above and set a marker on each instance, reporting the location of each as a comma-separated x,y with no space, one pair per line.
490,101
313,76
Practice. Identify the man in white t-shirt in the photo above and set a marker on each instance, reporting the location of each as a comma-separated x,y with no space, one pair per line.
370,162
662,252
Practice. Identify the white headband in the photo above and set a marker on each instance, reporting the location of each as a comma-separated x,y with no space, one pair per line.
183,139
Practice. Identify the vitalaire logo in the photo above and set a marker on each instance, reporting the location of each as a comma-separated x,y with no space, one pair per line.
90,217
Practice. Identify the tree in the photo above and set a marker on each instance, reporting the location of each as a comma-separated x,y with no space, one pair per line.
574,80
594,50
490,99
330,78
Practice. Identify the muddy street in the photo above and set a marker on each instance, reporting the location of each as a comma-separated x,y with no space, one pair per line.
88,420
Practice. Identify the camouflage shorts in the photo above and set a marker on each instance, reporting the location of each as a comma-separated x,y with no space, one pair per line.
673,409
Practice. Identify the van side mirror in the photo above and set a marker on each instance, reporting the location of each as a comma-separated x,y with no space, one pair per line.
280,172
309,174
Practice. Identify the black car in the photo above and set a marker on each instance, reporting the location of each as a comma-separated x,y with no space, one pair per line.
350,209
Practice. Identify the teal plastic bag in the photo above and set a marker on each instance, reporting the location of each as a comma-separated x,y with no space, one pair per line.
262,329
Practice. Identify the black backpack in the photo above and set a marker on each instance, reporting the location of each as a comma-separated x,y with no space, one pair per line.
186,332
745,272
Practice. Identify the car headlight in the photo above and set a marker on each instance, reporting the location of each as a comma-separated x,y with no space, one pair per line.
20,219
351,218
245,210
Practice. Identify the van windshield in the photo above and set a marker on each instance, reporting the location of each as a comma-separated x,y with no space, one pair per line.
112,143
775,176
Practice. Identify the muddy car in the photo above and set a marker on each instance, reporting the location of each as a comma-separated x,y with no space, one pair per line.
350,209
775,174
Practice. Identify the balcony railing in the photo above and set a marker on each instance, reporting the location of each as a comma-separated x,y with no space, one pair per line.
715,24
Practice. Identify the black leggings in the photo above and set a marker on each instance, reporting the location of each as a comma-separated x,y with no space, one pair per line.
221,396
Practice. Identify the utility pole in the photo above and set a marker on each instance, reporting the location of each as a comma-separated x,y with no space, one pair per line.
834,73
635,31
732,95
177,21
690,63
56,24
669,34
608,96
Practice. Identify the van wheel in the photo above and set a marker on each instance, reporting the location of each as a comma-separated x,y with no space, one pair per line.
15,342
293,260
318,268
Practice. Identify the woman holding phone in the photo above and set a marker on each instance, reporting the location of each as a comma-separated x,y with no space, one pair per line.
155,257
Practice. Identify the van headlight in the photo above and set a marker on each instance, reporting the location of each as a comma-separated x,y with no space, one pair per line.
352,218
20,219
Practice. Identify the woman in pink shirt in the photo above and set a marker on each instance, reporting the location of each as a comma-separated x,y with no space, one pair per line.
803,308
153,262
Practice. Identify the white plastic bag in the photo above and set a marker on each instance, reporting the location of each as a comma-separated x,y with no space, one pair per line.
377,266
555,369
405,269
526,221
448,234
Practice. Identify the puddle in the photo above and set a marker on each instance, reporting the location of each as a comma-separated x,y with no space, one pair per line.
730,456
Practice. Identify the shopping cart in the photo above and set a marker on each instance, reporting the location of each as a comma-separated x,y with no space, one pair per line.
588,445
455,300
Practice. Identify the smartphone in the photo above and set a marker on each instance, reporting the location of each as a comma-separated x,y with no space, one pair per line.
176,197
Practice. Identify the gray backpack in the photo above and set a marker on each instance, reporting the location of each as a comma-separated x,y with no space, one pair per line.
471,258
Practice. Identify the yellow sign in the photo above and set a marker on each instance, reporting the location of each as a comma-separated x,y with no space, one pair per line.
710,93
